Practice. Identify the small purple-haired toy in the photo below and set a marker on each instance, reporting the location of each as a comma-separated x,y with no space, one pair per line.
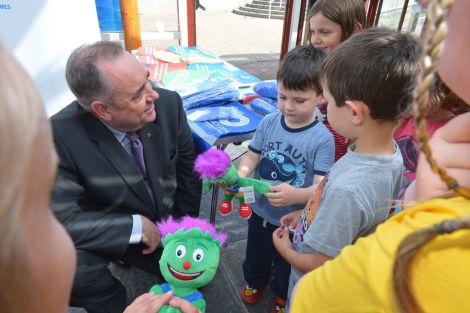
189,260
215,168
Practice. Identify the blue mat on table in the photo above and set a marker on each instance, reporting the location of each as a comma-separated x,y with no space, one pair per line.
246,121
205,66
180,50
235,74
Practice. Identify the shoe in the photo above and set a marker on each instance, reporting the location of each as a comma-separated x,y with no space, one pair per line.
225,207
245,210
249,294
279,305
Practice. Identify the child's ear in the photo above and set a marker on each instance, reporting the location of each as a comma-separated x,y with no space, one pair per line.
101,110
358,111
357,27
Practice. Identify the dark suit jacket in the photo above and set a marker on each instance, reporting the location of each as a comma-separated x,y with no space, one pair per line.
99,186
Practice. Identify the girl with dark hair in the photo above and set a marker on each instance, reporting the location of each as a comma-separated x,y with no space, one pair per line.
331,22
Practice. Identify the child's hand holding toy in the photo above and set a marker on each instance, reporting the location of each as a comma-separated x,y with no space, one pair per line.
215,168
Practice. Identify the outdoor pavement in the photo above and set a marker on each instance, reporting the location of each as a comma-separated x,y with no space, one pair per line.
252,44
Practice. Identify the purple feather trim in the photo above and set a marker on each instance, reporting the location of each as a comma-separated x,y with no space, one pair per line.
212,163
170,226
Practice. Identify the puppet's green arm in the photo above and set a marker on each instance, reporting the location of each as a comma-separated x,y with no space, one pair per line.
260,186
156,289
206,185
200,304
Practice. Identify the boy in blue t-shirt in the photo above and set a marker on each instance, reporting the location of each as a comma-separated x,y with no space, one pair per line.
292,151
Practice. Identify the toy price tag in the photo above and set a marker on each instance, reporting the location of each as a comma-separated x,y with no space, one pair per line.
249,194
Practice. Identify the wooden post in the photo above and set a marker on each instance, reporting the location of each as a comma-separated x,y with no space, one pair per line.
300,28
130,24
402,15
372,12
294,17
286,28
191,7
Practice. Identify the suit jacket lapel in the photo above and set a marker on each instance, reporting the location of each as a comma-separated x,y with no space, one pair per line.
150,137
120,160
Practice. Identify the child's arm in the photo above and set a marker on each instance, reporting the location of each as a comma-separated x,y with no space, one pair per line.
451,146
305,262
291,219
285,194
248,163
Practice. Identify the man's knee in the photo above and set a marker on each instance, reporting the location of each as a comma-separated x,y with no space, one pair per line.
94,285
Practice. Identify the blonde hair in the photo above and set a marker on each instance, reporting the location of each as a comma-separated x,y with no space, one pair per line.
433,43
402,287
435,32
21,115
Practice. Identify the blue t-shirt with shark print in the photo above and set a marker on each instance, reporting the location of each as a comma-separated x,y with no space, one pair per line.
289,155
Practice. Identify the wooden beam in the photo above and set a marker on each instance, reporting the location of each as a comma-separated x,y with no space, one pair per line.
372,12
300,28
286,28
191,7
130,24
402,15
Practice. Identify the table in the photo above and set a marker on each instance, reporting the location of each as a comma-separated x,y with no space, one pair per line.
195,64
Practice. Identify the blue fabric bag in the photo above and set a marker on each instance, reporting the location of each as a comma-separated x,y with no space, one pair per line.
267,89
263,105
209,93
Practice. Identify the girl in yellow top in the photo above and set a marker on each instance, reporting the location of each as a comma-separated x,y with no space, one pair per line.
418,261
360,278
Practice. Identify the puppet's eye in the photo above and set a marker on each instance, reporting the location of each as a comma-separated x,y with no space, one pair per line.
180,251
198,255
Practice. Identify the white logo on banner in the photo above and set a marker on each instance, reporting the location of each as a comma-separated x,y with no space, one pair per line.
242,121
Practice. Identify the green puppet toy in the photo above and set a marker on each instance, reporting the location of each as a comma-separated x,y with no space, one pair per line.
215,168
191,253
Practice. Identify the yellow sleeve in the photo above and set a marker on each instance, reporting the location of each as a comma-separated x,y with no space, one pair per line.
340,285
360,278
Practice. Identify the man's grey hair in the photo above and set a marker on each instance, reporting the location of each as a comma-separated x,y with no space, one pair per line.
84,78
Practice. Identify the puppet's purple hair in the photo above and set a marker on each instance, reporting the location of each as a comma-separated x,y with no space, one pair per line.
170,226
212,163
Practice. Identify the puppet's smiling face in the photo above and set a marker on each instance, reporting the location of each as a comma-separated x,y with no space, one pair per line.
189,261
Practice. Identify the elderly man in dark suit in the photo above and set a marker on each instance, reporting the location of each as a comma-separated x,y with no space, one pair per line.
126,160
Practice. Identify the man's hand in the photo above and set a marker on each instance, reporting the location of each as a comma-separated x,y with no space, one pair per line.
282,195
184,305
150,235
151,303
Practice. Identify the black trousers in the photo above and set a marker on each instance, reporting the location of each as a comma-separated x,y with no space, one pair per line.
97,290
260,255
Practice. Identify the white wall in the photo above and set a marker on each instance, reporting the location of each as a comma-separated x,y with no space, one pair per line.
164,6
42,34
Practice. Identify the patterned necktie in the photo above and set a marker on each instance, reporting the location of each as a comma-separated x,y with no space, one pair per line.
138,152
